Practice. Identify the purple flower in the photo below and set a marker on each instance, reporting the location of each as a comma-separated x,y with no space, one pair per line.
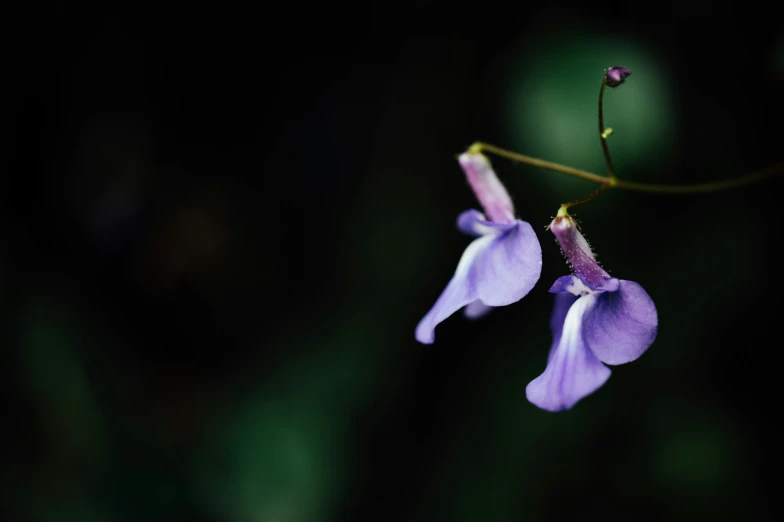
499,267
597,319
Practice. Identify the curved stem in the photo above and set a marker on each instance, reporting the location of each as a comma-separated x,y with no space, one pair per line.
563,211
712,186
536,162
602,135
659,188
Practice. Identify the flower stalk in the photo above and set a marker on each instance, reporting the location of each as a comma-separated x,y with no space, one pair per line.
598,320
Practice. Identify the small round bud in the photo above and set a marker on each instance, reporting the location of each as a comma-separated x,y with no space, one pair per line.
615,76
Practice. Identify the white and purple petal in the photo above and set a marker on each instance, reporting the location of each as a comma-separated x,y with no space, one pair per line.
573,371
563,301
498,268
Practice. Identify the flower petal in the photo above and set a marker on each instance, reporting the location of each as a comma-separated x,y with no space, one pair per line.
458,293
605,285
563,302
622,324
499,269
570,284
473,223
476,309
573,371
487,187
509,268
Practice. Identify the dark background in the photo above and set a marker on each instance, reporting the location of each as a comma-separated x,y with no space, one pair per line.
221,227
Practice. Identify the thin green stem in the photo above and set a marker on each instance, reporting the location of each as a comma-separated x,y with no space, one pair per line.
604,135
613,180
536,162
713,186
658,188
563,211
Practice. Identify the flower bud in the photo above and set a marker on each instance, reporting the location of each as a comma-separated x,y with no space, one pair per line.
616,76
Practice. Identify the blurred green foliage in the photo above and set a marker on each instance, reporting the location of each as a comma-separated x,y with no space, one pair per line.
552,107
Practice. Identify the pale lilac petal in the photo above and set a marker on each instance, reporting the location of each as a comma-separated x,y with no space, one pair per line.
473,223
476,309
573,371
563,302
570,284
509,268
622,324
499,269
458,293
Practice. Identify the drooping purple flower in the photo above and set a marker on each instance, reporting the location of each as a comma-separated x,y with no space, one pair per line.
499,267
597,319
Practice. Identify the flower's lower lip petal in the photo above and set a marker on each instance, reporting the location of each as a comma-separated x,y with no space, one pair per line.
459,292
622,324
509,268
563,302
454,297
498,268
573,371
476,309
